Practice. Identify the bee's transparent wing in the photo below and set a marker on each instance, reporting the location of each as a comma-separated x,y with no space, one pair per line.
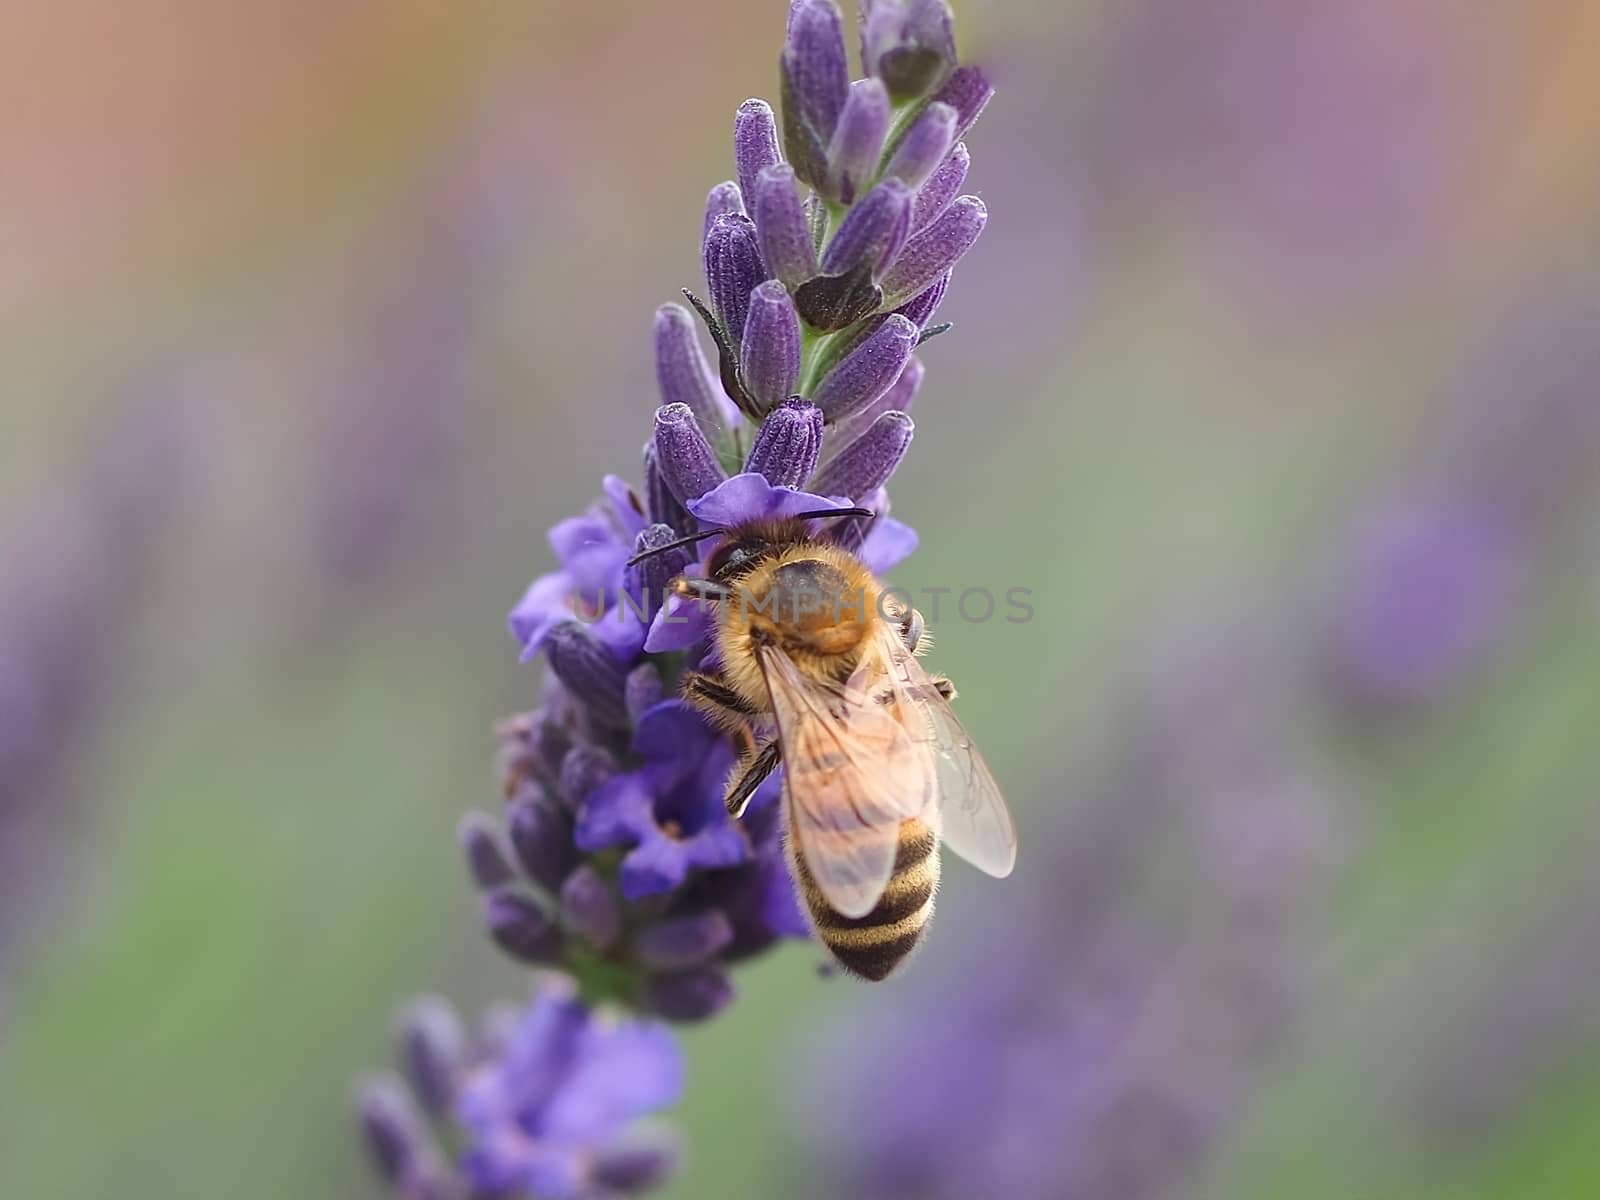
857,763
974,820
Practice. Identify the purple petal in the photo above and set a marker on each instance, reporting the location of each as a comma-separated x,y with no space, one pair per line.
625,503
546,603
681,623
889,543
618,813
658,864
621,1073
750,497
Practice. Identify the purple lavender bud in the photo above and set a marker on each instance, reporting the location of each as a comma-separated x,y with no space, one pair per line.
589,671
925,146
664,508
396,1136
920,309
755,143
909,44
684,377
867,371
541,837
967,91
432,1051
682,942
781,226
873,232
636,1165
689,995
935,250
943,186
644,690
857,143
583,770
685,459
724,200
733,268
787,444
486,858
769,360
521,928
898,398
589,908
815,77
867,463
648,578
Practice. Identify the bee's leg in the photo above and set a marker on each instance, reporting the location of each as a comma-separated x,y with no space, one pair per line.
717,700
947,690
754,767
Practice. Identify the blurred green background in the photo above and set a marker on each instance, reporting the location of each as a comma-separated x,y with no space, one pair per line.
315,316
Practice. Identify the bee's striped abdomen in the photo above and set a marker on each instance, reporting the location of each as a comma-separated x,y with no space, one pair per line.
874,945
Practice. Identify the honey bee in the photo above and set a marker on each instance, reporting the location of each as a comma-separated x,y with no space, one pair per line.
818,672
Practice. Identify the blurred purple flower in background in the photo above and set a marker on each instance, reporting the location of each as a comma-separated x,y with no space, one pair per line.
1438,572
615,861
68,600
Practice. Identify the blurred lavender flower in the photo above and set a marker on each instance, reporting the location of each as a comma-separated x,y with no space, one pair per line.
1436,575
67,600
548,1103
615,861
1098,1043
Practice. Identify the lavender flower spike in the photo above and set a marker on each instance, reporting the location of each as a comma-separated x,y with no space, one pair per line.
684,377
815,75
867,371
769,361
935,250
781,228
684,457
873,233
615,869
787,444
925,145
755,143
866,464
858,140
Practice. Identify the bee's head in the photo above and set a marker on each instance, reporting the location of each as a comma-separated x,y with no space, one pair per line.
743,547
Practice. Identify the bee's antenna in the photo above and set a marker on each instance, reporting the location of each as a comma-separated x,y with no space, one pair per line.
824,513
818,515
683,541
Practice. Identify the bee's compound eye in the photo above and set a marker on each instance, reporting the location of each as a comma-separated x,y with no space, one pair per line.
727,558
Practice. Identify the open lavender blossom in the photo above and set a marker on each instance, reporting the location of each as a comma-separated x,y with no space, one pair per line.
614,862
